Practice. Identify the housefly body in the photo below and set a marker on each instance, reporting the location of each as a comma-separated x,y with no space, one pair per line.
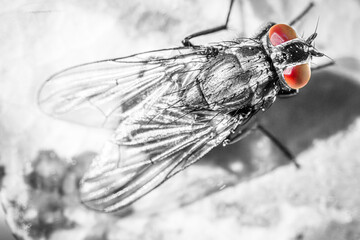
170,107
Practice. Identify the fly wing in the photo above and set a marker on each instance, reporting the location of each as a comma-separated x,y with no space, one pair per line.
149,148
104,93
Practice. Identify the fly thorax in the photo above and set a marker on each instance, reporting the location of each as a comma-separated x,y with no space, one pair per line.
221,80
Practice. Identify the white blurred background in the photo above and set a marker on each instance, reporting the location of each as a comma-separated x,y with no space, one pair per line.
42,37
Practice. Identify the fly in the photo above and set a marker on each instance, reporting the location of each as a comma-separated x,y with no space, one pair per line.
170,107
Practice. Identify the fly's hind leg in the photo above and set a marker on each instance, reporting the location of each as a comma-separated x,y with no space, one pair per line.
186,42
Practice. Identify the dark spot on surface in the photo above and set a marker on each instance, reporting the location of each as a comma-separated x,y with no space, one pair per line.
51,191
299,236
47,173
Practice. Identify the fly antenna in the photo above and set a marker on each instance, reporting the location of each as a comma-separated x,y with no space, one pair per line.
317,24
314,35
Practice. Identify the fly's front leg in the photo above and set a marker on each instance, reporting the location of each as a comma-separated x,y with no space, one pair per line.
288,93
318,67
264,30
186,42
302,14
267,27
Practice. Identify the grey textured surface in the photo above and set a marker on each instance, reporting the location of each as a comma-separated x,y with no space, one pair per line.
320,201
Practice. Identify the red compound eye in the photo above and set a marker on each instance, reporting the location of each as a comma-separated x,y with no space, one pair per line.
296,76
281,33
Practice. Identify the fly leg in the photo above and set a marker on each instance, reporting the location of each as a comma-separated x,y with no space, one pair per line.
264,30
332,62
2,173
239,134
242,132
288,93
186,42
302,14
267,27
281,146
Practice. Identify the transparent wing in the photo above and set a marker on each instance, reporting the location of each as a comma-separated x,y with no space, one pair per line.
149,148
104,93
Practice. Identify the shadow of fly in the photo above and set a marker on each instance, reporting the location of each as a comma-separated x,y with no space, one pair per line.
170,107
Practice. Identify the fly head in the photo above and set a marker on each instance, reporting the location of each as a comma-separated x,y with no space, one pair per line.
291,56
